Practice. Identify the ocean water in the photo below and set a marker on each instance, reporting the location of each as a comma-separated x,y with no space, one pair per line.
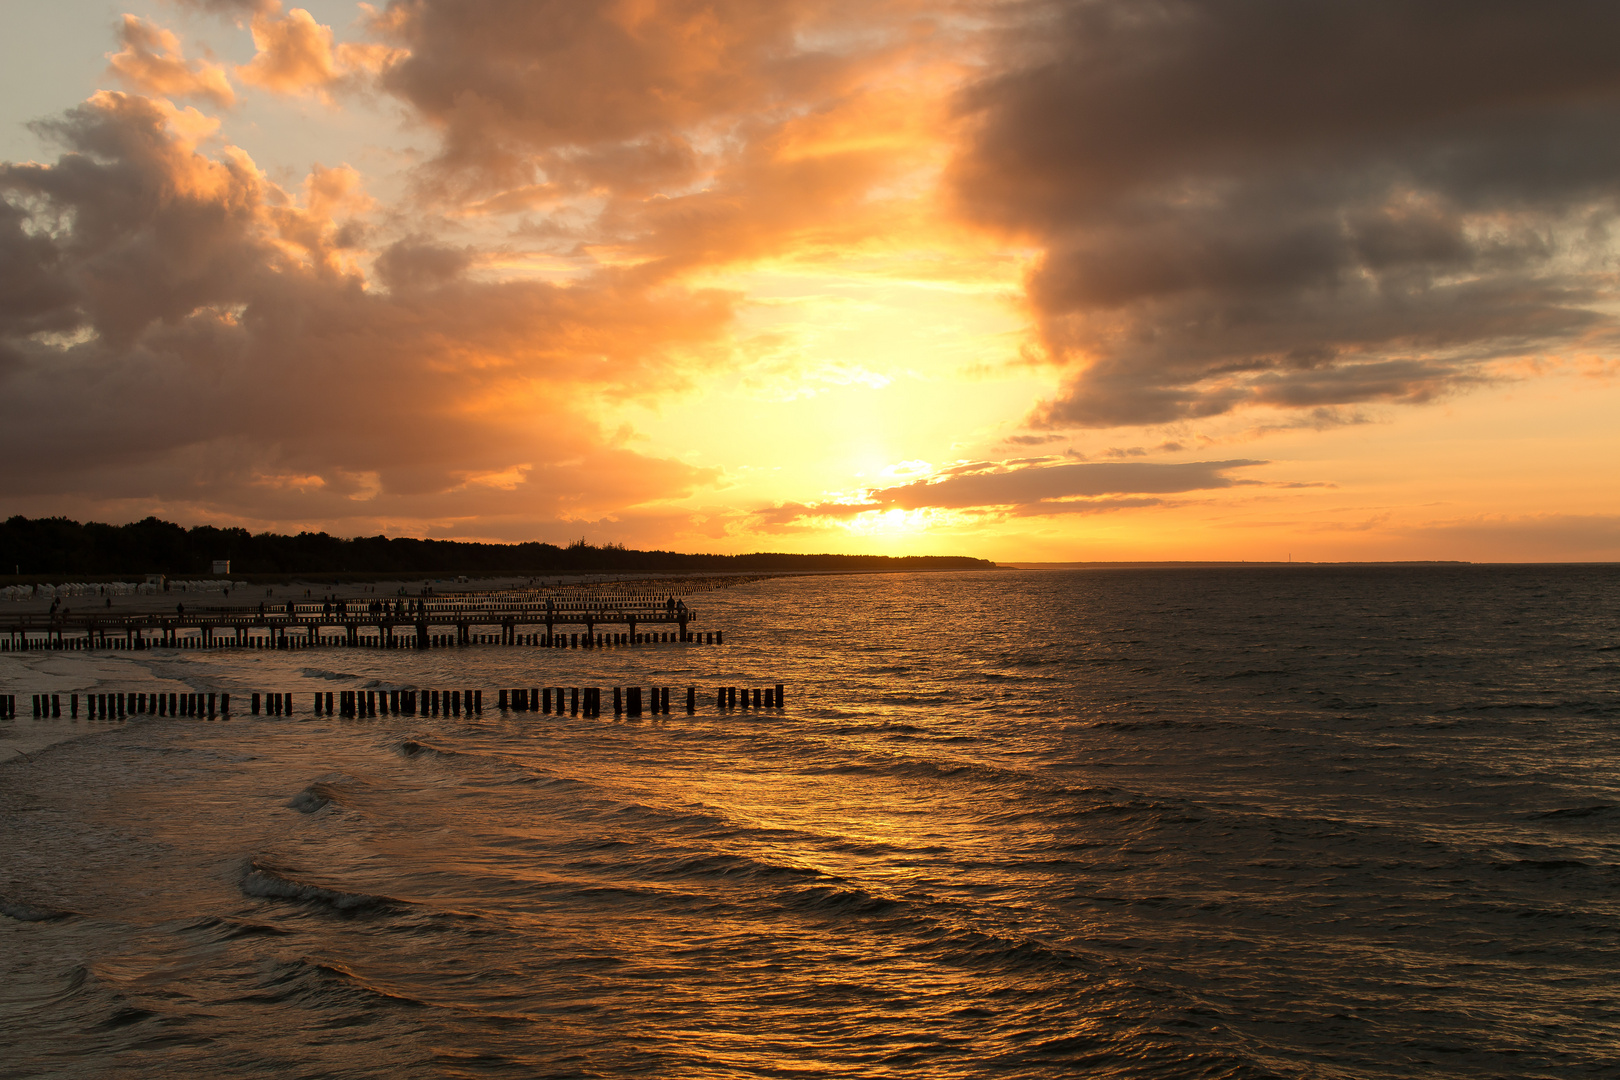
1270,822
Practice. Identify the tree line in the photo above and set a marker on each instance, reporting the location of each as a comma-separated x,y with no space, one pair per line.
61,546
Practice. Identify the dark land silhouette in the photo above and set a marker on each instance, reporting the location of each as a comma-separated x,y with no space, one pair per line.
60,546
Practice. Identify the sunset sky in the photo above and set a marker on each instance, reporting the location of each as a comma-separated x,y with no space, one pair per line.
1251,279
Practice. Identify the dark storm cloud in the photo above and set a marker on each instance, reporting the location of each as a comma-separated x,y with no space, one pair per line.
1300,204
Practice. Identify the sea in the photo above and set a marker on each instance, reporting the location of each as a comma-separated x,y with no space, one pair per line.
1282,821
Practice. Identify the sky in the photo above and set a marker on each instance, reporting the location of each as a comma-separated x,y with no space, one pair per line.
1030,281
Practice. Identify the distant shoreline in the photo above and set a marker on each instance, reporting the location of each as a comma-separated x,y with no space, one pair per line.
491,579
46,550
1215,564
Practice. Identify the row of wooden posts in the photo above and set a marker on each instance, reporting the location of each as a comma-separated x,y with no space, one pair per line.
628,700
435,641
117,706
576,701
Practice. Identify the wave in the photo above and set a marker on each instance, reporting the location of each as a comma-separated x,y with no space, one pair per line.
1162,724
843,900
1600,809
330,676
324,792
1543,864
24,911
222,928
264,881
324,983
309,800
416,747
725,865
881,728
937,927
1578,707
926,767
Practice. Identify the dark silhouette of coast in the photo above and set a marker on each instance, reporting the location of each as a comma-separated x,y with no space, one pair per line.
55,547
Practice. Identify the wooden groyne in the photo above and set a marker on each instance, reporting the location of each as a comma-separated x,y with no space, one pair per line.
572,701
414,623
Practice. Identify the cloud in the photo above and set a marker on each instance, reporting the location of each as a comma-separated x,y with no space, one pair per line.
185,332
607,88
1260,202
151,61
1032,490
679,136
996,487
296,55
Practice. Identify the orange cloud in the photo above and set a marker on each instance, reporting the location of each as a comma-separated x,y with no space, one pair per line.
296,55
217,346
151,61
708,131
